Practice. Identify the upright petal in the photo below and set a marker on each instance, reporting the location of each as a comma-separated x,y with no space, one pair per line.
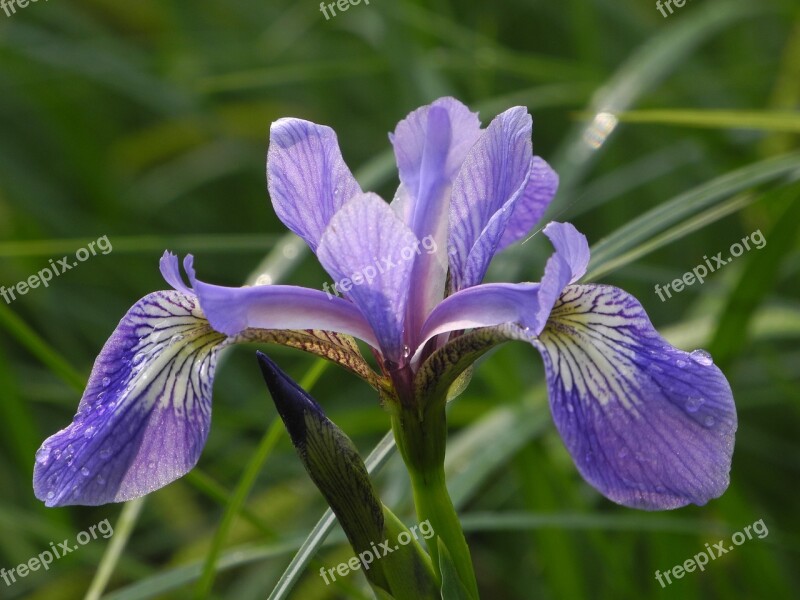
231,310
370,253
648,425
430,146
485,192
145,415
307,177
530,208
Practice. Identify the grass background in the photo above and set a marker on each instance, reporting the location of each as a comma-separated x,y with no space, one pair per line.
147,122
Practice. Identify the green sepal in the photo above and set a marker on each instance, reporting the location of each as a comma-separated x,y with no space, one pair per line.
452,587
409,569
334,465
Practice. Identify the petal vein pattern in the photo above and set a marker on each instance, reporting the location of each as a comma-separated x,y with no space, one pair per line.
145,415
649,425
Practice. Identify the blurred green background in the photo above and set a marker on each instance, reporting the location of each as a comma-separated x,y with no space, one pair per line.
147,122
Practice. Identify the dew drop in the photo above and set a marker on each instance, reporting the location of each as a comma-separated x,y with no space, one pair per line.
106,381
680,363
104,454
51,495
701,357
570,408
406,351
709,421
100,480
694,404
85,472
43,455
88,433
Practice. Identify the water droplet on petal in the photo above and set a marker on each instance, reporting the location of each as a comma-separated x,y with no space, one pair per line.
709,421
43,455
104,454
85,472
51,495
570,408
88,433
106,381
406,351
694,404
702,357
100,480
680,363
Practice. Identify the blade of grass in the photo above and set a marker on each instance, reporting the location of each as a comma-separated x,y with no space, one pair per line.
694,223
689,203
122,532
31,340
757,280
784,121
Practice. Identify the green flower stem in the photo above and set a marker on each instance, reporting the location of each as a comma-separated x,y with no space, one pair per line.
422,440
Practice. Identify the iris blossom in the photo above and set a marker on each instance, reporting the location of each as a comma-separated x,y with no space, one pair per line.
647,424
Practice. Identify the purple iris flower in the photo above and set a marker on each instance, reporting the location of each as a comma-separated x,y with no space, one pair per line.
647,424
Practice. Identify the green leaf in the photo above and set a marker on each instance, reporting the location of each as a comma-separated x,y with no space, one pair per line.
452,588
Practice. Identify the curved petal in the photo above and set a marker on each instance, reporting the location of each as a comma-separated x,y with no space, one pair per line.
488,305
648,425
145,415
530,208
525,304
370,253
231,310
307,177
491,180
430,146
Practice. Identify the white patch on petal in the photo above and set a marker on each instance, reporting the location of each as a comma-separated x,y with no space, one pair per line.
587,338
173,361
